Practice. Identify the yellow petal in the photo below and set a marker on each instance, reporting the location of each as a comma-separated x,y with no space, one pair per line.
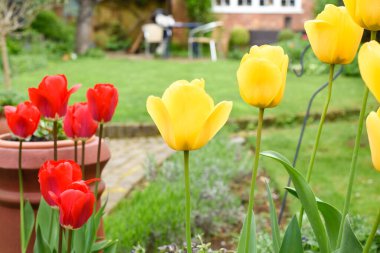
373,131
365,13
213,124
259,81
369,65
273,54
188,106
161,118
280,94
199,83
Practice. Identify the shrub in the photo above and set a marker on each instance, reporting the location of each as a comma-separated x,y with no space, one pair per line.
320,5
239,37
285,35
352,69
199,11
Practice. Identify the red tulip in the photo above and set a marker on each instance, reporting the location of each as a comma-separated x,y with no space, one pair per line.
22,120
56,177
76,205
102,101
51,96
78,122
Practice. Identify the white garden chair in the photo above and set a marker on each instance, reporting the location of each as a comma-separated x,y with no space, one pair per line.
153,34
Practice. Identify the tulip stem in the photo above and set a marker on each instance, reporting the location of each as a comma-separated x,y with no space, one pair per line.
320,127
76,151
353,165
21,189
97,175
55,138
188,207
83,154
371,236
373,35
254,175
70,237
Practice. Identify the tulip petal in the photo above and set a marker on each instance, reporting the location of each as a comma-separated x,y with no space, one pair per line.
157,110
259,81
369,65
270,53
213,124
280,94
188,106
373,130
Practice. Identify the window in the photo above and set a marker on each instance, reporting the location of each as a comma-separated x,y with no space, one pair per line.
257,6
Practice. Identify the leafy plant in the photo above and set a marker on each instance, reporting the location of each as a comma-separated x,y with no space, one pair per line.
9,97
199,11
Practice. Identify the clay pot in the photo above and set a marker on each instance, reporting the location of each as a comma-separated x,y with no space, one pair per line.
33,155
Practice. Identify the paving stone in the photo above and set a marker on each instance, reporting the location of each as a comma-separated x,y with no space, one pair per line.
126,167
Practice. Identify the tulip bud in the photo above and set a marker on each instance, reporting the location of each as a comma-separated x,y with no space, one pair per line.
369,65
186,116
102,101
22,120
78,122
373,131
56,177
51,96
262,76
334,36
365,13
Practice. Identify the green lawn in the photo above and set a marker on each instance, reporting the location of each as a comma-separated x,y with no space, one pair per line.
329,178
137,79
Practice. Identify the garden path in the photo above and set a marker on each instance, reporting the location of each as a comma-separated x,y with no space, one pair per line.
128,163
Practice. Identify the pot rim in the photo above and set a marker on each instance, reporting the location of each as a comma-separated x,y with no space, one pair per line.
5,143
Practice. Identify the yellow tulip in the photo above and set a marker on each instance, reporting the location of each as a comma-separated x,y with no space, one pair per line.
262,76
373,131
369,65
186,116
334,36
365,13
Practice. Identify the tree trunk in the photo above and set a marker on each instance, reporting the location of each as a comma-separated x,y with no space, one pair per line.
5,60
84,25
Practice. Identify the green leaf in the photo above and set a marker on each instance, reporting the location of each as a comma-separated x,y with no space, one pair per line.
41,245
29,223
274,222
112,248
48,222
104,245
243,235
350,244
331,216
307,199
292,239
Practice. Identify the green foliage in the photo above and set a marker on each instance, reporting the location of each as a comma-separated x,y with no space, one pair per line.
352,69
292,239
199,11
286,34
320,5
154,216
27,62
9,97
252,244
14,45
239,37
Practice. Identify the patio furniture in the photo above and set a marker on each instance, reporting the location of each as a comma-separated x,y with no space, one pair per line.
198,35
153,34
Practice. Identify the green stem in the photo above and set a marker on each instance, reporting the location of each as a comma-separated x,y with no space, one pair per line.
188,207
254,175
70,237
97,174
55,139
60,237
21,190
373,35
320,127
83,154
368,244
76,151
354,159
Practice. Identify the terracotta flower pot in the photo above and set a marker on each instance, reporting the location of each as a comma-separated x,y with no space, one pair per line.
3,125
33,155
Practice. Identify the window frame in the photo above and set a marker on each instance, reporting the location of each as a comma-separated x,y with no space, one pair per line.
276,8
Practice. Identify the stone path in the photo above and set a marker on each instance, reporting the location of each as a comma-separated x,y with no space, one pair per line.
127,164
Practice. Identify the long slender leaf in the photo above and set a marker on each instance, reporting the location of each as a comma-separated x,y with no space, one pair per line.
350,244
41,245
274,222
252,239
331,216
29,223
307,199
48,222
104,245
292,239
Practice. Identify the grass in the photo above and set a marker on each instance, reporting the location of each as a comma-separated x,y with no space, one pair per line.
330,174
137,79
